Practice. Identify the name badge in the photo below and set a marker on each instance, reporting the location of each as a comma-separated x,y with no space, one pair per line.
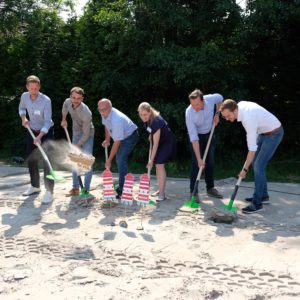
149,129
37,113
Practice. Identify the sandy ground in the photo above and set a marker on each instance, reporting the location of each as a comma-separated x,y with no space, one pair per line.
67,251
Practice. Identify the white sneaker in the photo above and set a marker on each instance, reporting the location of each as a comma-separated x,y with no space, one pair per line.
31,190
48,198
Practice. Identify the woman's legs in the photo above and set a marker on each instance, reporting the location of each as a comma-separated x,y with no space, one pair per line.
161,178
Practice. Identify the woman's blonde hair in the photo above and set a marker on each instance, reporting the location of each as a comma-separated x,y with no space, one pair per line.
148,108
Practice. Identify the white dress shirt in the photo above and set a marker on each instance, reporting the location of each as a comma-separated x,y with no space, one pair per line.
256,120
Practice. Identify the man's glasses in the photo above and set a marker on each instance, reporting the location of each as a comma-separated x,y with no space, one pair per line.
102,109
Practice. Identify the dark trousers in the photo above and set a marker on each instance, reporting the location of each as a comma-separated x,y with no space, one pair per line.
209,162
33,160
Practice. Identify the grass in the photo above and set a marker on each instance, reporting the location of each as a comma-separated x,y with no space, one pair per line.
277,171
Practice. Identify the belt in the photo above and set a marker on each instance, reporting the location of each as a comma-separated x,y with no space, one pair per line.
134,132
272,131
204,133
35,131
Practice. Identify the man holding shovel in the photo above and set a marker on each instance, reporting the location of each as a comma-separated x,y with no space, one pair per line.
39,109
264,134
125,135
199,117
82,133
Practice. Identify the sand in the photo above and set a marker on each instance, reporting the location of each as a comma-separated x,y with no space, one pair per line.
67,251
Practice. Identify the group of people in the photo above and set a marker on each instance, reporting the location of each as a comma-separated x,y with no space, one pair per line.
264,133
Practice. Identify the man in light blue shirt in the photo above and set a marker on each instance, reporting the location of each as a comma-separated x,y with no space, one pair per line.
199,117
38,107
125,135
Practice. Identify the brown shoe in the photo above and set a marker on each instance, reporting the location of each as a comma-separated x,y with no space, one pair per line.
213,192
73,192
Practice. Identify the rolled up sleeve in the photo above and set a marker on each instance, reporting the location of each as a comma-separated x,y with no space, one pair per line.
65,108
47,117
218,98
191,127
251,131
22,107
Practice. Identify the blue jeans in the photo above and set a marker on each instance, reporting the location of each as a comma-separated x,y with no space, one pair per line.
267,145
125,149
87,148
209,162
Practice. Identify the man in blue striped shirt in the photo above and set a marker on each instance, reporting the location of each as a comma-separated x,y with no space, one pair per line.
199,117
38,107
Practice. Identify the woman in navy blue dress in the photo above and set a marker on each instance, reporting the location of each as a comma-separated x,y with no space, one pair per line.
163,144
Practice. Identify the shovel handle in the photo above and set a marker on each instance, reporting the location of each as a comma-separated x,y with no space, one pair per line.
235,189
149,157
41,149
240,178
206,150
106,153
67,135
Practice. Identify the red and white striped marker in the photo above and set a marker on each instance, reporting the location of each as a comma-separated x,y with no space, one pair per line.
108,186
143,197
127,197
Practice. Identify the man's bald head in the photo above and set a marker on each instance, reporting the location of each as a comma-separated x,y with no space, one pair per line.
104,107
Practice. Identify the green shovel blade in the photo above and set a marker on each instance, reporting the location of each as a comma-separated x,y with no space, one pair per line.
229,207
50,177
151,202
53,176
192,203
85,194
232,209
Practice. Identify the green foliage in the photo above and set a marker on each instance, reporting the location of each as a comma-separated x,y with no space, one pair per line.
156,51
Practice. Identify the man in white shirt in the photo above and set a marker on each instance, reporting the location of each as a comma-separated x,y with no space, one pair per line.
264,134
199,117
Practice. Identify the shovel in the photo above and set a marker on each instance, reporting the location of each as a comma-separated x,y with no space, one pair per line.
230,207
152,202
127,198
192,203
110,201
226,213
144,188
52,175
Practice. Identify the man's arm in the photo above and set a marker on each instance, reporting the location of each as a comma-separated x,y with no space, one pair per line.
64,122
249,159
193,135
196,148
216,119
22,112
112,154
106,142
251,130
47,123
